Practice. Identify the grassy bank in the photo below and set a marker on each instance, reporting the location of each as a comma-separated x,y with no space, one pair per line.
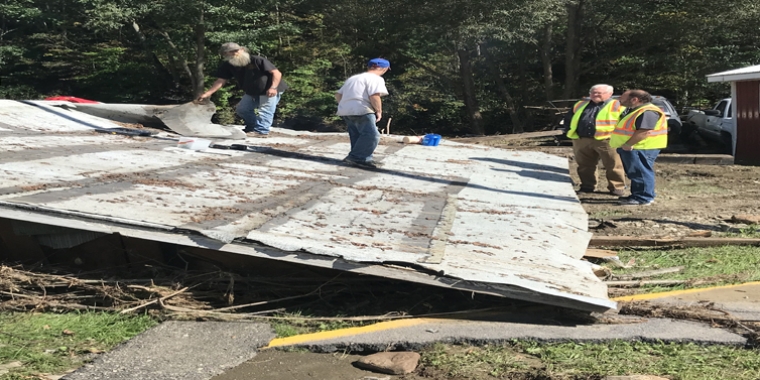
703,266
572,361
54,343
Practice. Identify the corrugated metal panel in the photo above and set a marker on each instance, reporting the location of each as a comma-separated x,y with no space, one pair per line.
490,220
748,123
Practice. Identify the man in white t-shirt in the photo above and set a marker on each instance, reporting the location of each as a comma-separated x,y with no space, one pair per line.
359,105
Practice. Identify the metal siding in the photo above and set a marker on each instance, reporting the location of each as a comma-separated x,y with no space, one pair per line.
488,220
747,123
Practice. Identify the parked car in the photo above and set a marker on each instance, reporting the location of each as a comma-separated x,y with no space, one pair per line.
716,124
674,121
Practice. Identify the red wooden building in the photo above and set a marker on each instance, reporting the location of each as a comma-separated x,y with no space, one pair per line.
745,94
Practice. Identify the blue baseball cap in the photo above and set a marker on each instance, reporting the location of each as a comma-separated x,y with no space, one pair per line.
379,62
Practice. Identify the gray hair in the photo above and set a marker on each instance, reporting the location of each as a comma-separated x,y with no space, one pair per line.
609,88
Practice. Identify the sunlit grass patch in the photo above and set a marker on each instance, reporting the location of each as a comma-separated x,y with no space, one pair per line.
531,360
54,343
704,266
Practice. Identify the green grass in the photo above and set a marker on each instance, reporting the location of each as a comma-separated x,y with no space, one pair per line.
728,264
54,343
750,231
531,360
286,328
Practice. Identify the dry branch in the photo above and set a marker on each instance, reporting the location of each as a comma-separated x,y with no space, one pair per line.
157,300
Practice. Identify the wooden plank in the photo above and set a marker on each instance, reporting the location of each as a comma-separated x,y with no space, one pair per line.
636,241
649,273
635,284
518,136
599,253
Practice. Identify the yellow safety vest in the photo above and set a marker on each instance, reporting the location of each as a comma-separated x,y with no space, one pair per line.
656,138
605,121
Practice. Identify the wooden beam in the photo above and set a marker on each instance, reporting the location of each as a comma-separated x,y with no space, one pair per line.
517,136
649,273
599,253
636,241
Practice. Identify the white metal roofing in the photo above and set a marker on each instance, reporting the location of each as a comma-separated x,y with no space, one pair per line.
490,220
745,73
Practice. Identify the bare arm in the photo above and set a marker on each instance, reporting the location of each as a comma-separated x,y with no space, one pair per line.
638,135
218,83
338,96
276,77
377,105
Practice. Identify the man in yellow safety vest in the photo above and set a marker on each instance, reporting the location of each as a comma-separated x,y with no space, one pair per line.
639,136
590,125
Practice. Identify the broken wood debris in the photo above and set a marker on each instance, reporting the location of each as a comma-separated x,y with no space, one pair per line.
649,273
635,241
517,136
641,283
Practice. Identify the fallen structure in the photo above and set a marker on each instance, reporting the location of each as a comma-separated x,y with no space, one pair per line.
460,216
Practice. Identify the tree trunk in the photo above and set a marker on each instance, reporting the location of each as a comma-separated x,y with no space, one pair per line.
572,49
509,103
468,93
200,58
180,59
546,61
167,74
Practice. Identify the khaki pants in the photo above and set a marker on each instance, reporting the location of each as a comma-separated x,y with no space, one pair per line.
588,151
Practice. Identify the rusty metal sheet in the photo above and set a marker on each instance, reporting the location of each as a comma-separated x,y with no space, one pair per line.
489,220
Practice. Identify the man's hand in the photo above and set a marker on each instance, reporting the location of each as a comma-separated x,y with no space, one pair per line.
203,98
378,116
627,148
272,92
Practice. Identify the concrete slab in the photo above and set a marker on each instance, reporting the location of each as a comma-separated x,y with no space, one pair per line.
742,300
179,350
474,332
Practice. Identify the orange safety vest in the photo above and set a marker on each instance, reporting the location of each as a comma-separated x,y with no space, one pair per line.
605,121
656,138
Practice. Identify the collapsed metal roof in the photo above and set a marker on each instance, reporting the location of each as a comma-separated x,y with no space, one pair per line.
489,220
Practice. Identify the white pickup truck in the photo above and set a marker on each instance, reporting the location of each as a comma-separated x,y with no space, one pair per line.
716,124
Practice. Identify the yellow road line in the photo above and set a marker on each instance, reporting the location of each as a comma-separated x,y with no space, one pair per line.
324,335
651,296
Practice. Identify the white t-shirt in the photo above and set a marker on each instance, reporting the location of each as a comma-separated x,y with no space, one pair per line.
356,92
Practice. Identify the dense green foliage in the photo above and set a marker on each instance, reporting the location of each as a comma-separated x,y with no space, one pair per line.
459,66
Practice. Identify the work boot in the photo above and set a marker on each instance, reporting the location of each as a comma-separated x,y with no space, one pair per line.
618,193
634,202
584,190
366,164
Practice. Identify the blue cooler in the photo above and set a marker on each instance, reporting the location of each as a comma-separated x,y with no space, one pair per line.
431,139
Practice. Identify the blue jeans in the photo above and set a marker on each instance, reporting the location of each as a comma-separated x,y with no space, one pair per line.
639,167
364,136
266,106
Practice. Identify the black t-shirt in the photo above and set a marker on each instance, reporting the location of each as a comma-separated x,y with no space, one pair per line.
254,79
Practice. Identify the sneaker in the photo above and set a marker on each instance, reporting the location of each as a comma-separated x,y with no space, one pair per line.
618,192
366,164
633,202
256,134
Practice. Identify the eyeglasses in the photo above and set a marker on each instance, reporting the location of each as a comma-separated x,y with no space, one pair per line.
231,52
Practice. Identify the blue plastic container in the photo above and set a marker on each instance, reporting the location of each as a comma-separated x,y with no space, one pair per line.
431,139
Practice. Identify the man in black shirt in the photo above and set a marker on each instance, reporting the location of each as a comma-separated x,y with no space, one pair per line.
258,78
